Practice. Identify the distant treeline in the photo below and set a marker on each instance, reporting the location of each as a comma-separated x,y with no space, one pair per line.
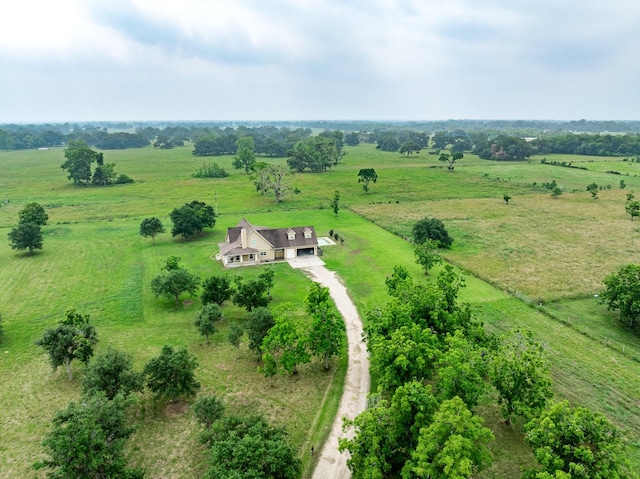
490,139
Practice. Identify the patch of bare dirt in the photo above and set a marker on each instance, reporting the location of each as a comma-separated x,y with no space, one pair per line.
174,409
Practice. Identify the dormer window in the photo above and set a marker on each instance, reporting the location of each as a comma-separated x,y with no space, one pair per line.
291,235
307,233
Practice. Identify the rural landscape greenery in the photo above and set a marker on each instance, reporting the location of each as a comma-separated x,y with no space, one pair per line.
533,242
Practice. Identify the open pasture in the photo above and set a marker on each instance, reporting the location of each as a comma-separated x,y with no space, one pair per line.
94,259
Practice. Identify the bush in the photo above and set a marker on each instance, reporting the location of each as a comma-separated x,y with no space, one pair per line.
212,170
123,179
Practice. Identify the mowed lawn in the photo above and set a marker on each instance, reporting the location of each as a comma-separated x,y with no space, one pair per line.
93,258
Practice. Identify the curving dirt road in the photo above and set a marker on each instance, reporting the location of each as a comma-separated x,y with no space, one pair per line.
332,464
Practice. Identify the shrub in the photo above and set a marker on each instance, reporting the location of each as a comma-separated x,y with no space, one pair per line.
124,179
212,170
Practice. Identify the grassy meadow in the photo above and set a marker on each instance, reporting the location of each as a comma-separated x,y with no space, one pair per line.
554,251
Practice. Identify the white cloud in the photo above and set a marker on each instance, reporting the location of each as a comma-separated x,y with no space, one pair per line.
318,59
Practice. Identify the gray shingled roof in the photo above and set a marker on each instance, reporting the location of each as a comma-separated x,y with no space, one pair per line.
277,237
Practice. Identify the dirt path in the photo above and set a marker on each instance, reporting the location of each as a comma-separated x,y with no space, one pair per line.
332,464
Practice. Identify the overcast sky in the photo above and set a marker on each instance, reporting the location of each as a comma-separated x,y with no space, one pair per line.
78,60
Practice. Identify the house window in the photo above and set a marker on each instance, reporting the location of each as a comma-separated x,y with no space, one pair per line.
253,242
263,253
251,257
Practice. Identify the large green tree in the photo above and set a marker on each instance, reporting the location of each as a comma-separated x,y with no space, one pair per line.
112,373
520,373
26,236
622,292
192,218
33,213
72,338
578,442
409,353
88,440
452,446
171,374
78,160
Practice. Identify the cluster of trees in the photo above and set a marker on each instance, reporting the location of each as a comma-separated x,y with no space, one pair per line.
188,221
78,160
502,147
434,363
268,140
287,343
243,446
28,234
88,438
316,153
277,337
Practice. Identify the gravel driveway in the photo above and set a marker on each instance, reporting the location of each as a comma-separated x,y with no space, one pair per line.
332,464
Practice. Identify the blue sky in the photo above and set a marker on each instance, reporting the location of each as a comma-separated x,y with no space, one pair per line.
81,60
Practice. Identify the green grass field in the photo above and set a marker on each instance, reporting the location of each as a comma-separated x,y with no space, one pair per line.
557,250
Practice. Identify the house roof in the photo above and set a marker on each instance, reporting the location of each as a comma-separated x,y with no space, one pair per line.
276,237
279,237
